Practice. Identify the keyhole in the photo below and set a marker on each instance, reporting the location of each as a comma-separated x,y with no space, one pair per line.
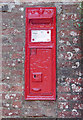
34,76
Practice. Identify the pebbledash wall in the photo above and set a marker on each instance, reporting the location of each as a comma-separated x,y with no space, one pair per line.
69,98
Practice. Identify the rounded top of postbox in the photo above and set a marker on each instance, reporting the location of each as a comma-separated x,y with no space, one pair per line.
40,12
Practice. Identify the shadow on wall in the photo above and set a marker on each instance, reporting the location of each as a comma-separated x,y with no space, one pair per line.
82,44
41,119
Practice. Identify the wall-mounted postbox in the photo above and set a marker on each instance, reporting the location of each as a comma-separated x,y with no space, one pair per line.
40,53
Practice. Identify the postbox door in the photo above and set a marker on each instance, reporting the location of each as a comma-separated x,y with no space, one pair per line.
41,71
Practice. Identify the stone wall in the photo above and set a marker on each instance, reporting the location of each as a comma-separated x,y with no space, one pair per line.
69,100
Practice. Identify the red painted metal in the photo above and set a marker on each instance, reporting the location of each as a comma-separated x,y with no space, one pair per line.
40,57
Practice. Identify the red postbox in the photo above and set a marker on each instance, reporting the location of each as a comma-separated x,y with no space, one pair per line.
40,53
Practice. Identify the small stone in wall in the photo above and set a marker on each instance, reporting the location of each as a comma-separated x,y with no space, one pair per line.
7,105
26,113
13,64
75,112
75,40
76,49
59,8
72,33
14,95
16,106
74,17
21,9
61,41
11,6
78,73
8,78
61,56
5,8
10,113
18,60
77,64
68,43
17,2
7,96
69,55
21,16
76,88
63,17
62,34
